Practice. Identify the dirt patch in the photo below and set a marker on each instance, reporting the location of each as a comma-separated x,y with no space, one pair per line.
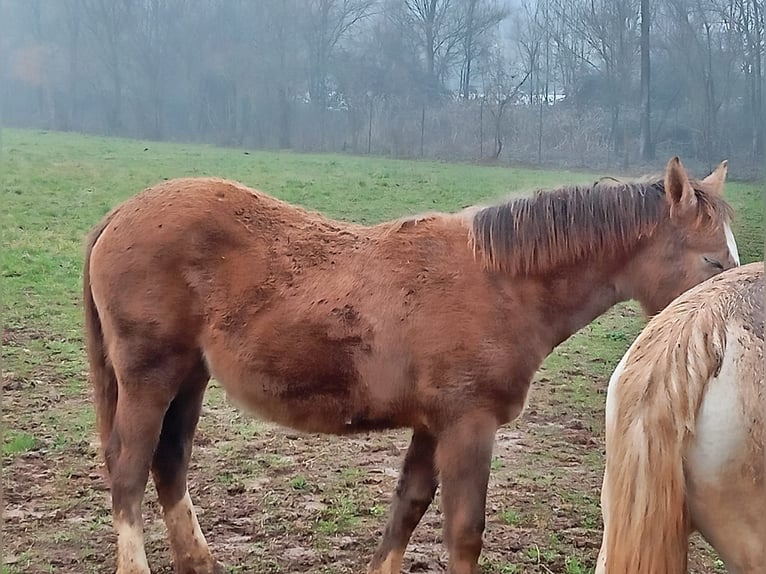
16,336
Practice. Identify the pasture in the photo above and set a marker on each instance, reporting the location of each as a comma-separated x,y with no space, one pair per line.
269,499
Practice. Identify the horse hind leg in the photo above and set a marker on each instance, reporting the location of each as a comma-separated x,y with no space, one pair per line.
189,548
150,377
414,493
141,405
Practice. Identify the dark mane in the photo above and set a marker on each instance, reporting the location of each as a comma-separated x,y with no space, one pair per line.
561,227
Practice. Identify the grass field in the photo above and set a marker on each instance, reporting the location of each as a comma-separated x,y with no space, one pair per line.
271,500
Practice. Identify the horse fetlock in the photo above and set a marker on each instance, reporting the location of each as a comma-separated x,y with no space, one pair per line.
191,553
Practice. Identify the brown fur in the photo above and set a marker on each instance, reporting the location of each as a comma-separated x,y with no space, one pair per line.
333,327
656,400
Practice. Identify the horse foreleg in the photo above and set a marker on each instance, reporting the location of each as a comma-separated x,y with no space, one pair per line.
463,457
414,493
191,554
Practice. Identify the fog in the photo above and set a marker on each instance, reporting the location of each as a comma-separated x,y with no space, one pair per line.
620,84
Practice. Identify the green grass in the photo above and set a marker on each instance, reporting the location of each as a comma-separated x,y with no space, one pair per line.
574,566
299,482
499,567
341,515
17,442
510,517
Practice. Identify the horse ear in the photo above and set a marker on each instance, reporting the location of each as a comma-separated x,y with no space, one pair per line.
678,188
716,179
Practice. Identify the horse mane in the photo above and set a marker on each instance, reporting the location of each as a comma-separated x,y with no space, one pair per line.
563,226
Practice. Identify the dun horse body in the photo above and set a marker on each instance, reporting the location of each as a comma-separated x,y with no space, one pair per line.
435,323
685,430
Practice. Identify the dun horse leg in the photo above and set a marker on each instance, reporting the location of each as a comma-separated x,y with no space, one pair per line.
136,430
191,554
414,493
463,457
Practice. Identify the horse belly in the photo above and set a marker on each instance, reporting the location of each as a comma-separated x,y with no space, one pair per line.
307,389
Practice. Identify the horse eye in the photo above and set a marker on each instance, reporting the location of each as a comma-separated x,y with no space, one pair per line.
714,262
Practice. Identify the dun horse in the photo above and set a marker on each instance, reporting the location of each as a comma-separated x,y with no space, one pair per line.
685,429
436,323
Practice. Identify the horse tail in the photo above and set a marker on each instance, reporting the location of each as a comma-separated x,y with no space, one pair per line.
102,376
656,393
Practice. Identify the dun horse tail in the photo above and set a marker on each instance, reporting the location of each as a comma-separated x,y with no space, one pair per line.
656,398
102,375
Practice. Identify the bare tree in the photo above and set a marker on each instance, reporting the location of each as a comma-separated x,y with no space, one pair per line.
572,57
327,23
155,29
647,148
478,18
73,17
501,88
700,40
609,26
748,18
109,22
533,47
279,83
435,28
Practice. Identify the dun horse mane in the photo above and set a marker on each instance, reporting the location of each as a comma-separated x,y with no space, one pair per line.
561,227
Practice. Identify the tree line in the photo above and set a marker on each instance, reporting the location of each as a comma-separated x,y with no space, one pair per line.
560,82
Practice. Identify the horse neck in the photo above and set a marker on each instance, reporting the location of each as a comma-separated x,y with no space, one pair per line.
574,297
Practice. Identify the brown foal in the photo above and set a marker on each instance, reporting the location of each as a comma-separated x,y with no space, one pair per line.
435,323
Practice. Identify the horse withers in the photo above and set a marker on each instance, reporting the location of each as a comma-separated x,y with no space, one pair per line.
685,430
435,323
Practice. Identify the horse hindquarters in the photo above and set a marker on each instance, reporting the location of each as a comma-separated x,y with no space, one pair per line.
149,380
725,469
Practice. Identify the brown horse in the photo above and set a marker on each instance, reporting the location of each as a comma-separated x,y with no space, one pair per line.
685,430
436,323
